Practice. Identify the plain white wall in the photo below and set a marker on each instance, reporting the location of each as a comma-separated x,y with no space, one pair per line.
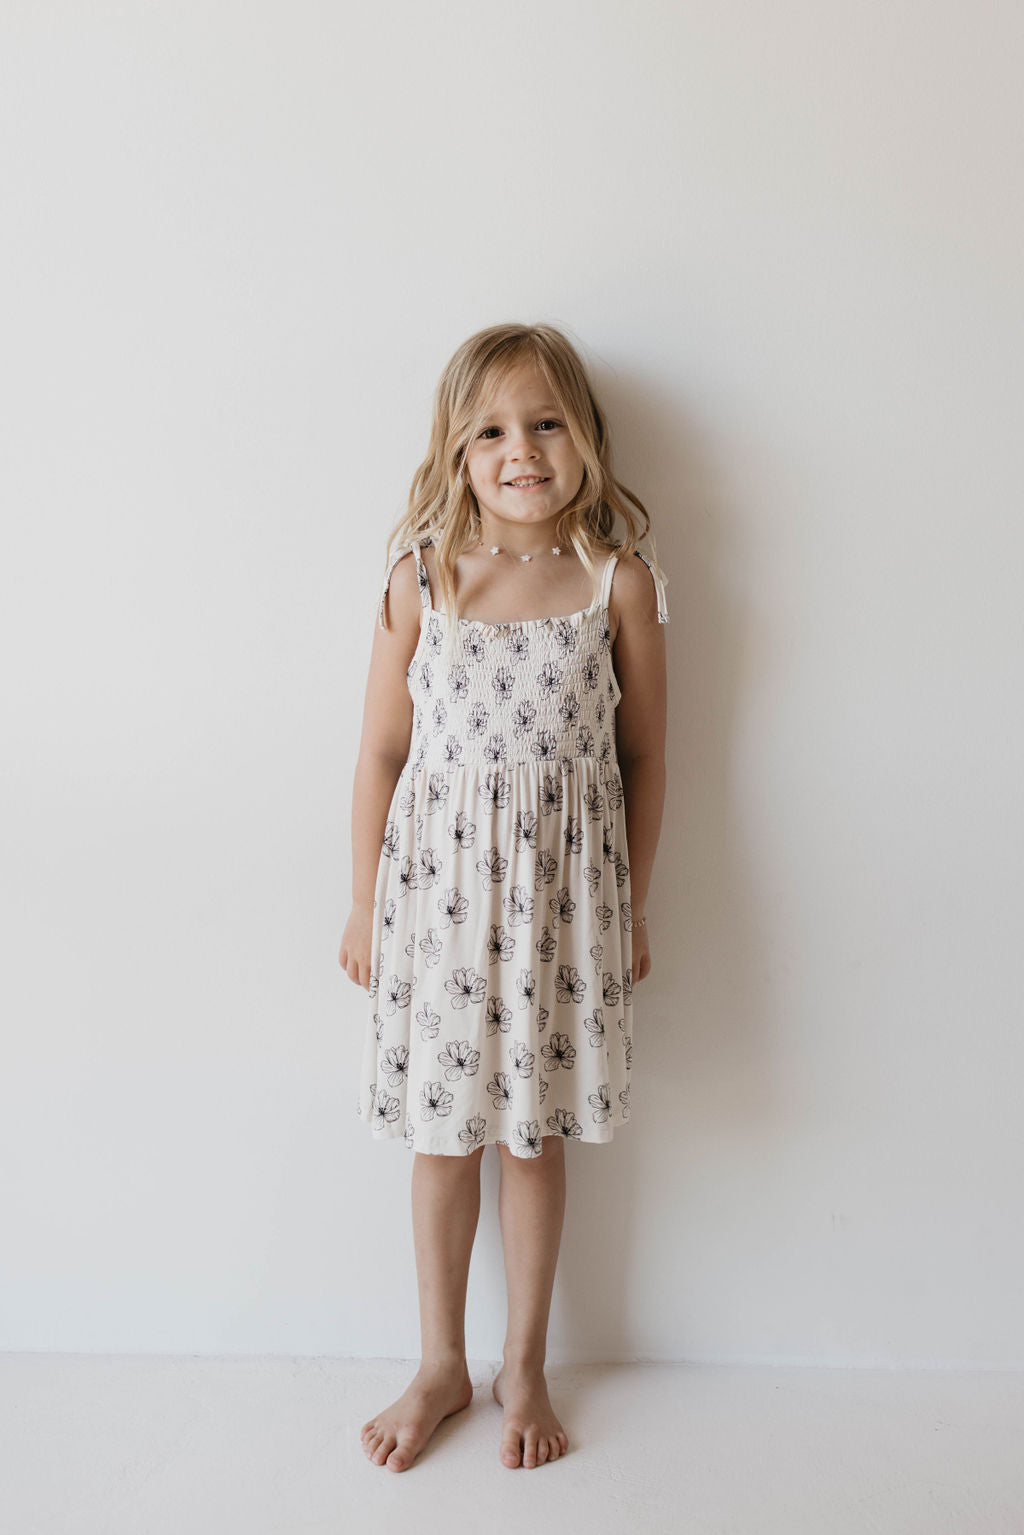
240,242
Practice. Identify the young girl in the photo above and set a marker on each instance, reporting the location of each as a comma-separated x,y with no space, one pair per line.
512,750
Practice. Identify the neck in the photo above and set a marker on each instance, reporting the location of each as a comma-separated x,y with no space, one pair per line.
535,538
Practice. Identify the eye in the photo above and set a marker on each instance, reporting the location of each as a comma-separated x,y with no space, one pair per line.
488,429
549,422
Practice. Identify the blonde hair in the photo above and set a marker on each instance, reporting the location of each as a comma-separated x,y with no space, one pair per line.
442,505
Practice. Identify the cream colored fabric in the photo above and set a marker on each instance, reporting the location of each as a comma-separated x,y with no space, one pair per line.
500,1000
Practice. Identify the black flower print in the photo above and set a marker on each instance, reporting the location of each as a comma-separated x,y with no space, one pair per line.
429,1022
387,921
439,716
601,1103
604,915
565,636
572,835
600,709
591,670
397,994
503,682
627,987
613,790
518,644
409,949
410,1131
437,792
499,1017
458,1059
465,986
500,1089
492,868
621,869
525,831
376,971
527,988
605,753
431,947
594,801
435,1099
569,709
476,720
549,678
407,877
585,742
597,954
453,907
451,751
495,749
550,794
569,984
542,1019
544,869
519,905
562,907
547,948
626,908
426,677
521,1058
564,1122
526,1137
429,871
458,682
407,798
523,718
608,843
500,945
462,830
624,1100
628,1045
545,745
559,1051
391,839
494,791
473,1134
385,1111
395,1064
595,1026
612,990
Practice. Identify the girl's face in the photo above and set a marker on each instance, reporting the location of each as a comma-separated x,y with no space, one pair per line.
523,465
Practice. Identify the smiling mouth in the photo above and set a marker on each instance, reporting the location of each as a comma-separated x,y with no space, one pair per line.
528,484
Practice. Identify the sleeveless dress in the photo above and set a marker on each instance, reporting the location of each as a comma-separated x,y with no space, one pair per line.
500,994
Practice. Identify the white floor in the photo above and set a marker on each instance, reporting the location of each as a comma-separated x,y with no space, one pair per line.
147,1445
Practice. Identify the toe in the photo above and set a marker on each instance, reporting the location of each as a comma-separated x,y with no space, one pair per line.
542,1449
383,1450
553,1449
530,1447
510,1447
399,1458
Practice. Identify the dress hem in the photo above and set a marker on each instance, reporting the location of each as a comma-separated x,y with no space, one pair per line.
451,1146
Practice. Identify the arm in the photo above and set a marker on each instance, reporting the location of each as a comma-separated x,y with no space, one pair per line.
383,752
640,727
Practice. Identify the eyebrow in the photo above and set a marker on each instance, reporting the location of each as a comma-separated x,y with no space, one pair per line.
537,410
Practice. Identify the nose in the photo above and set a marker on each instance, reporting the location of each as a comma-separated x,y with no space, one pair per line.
520,446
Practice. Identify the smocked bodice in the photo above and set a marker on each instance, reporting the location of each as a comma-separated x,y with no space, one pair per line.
538,691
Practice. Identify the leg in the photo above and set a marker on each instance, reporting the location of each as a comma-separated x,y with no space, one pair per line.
445,1208
531,1205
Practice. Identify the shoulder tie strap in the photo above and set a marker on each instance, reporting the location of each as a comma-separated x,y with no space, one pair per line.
659,586
606,580
421,576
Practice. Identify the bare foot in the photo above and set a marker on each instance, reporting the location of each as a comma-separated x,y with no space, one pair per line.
396,1436
531,1434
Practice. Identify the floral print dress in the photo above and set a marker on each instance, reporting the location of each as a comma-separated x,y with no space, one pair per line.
500,994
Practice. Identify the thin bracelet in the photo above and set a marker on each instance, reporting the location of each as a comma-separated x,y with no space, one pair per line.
639,921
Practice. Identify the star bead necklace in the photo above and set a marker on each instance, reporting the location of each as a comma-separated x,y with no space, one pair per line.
499,548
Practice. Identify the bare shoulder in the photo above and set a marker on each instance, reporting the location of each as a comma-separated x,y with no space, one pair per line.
634,599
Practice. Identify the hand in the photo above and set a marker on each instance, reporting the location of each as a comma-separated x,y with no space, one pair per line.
354,954
641,953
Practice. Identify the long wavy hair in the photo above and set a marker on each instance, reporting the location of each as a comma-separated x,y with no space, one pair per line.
442,505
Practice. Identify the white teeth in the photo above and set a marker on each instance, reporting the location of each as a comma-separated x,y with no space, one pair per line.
538,479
